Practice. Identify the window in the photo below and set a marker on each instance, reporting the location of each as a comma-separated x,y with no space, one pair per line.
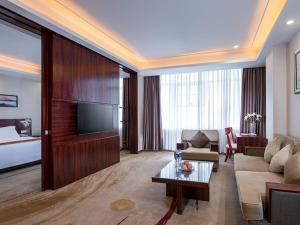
200,100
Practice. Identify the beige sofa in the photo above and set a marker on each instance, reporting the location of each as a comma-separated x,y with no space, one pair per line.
209,152
252,175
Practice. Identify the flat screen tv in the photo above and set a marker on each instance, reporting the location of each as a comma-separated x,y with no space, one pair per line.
94,118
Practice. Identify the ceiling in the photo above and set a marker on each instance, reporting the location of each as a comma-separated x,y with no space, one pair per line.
17,43
20,52
155,34
155,29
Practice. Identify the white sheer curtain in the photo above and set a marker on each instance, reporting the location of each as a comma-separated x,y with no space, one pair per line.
200,100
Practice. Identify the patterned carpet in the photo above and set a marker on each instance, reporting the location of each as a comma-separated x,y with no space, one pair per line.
121,194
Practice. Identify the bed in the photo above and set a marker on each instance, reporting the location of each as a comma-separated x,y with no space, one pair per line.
18,148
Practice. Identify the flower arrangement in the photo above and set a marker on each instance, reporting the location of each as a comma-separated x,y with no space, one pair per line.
26,123
253,117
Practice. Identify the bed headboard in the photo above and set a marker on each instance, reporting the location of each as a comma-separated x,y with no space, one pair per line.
18,123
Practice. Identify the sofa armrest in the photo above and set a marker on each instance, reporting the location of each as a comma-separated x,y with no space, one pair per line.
214,147
282,203
254,151
182,146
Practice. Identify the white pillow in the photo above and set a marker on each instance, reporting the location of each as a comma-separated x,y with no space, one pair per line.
279,160
272,148
8,132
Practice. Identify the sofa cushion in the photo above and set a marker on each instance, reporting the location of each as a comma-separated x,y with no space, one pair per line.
285,140
200,154
292,170
212,135
280,158
250,163
272,148
251,189
199,140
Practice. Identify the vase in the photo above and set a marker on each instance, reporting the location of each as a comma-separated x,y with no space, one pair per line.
252,128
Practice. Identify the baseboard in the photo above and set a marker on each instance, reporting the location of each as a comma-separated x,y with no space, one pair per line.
4,170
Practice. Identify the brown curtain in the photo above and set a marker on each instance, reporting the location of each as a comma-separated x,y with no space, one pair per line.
125,114
254,97
152,133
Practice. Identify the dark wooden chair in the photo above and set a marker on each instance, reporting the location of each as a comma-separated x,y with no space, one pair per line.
231,143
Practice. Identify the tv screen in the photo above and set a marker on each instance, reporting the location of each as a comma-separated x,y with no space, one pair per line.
94,118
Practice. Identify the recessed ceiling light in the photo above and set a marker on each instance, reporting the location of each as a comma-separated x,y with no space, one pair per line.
236,46
290,22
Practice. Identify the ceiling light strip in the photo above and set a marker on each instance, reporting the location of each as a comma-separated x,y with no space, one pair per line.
19,65
73,23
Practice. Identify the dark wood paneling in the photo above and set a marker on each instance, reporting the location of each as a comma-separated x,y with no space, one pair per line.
64,123
133,113
250,141
71,72
75,160
47,165
80,75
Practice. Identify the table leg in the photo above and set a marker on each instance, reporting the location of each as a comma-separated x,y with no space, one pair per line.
179,200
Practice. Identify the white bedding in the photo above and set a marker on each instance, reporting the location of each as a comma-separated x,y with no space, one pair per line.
19,153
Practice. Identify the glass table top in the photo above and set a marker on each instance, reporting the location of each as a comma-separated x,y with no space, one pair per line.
201,172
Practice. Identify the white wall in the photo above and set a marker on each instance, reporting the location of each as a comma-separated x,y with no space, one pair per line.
280,90
276,91
29,94
269,96
140,110
283,106
293,100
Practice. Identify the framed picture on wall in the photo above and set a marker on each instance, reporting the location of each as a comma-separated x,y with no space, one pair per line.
297,72
8,100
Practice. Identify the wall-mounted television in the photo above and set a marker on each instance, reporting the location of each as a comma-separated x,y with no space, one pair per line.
94,118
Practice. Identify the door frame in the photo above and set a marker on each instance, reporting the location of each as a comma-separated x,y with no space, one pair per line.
35,28
46,83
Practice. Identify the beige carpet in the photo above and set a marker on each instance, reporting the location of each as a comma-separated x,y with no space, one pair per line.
122,193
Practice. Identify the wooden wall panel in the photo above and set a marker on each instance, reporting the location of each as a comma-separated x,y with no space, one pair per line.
80,75
133,113
75,160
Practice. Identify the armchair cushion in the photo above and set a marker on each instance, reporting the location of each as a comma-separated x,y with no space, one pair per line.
200,154
250,163
199,140
280,158
292,170
252,191
272,148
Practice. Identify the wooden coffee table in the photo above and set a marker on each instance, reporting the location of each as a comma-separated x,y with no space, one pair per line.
186,185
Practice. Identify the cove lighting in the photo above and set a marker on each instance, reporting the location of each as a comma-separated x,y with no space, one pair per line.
19,65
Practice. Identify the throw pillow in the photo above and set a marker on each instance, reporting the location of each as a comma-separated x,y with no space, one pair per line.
292,170
280,158
199,140
272,148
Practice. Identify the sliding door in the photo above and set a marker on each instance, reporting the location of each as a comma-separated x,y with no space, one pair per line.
76,74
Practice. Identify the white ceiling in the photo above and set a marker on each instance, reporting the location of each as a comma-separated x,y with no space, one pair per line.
157,28
19,44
